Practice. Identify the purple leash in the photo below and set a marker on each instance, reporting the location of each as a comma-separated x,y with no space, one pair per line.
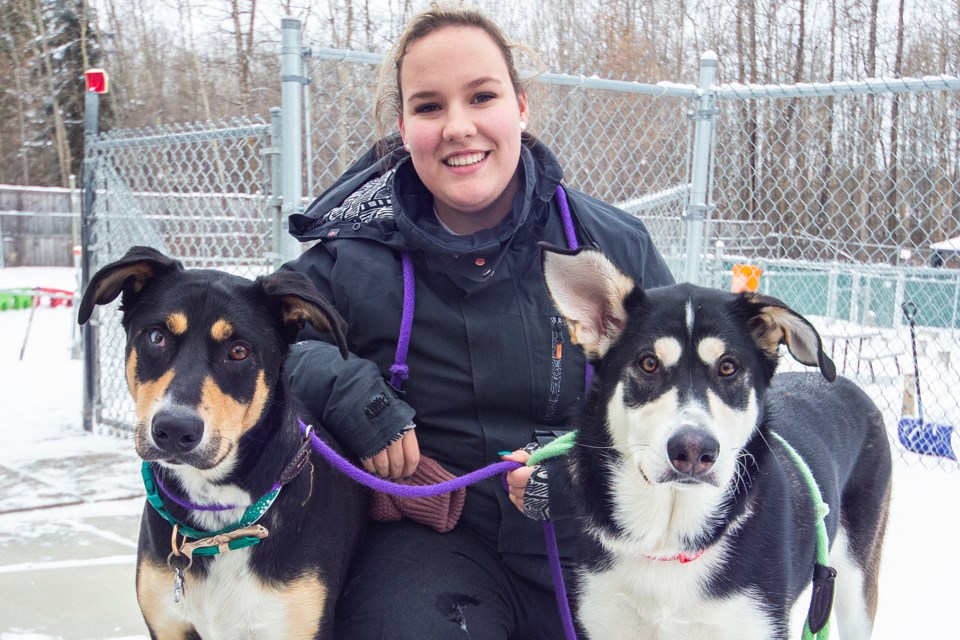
399,372
376,483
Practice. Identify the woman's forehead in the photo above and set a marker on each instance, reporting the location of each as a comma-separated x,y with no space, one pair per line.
453,54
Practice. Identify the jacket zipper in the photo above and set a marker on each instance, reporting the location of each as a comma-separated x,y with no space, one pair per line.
556,365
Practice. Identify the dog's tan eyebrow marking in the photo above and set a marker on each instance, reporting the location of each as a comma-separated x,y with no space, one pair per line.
177,323
221,330
710,349
668,351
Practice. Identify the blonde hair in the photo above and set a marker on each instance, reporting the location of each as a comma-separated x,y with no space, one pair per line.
389,100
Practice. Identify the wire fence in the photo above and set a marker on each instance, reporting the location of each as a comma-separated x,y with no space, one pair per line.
201,193
842,197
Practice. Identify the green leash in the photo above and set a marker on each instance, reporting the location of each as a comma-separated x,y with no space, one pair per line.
253,513
558,447
820,509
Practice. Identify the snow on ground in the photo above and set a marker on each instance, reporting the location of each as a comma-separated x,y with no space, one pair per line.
46,459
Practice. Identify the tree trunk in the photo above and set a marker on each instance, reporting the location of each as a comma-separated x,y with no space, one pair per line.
59,128
894,218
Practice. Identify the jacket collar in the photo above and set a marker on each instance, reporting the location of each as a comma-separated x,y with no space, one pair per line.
381,198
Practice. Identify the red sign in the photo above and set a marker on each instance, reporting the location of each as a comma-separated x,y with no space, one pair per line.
97,80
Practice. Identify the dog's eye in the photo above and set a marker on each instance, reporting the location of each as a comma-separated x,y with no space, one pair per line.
157,338
649,364
727,368
239,352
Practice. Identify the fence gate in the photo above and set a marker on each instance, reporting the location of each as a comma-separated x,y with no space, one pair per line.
202,193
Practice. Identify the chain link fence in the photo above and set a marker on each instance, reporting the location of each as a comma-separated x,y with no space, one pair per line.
842,197
201,193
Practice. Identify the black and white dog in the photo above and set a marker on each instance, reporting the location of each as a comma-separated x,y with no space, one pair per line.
698,522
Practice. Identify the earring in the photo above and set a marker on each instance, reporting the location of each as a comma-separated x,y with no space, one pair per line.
523,125
406,145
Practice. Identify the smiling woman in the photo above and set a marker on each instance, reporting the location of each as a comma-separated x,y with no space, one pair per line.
461,121
429,251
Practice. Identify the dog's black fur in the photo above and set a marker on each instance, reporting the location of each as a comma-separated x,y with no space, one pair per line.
204,356
697,521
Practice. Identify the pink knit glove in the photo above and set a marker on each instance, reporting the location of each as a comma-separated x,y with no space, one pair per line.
440,513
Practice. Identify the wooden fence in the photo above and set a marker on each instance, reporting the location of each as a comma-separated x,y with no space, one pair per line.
38,225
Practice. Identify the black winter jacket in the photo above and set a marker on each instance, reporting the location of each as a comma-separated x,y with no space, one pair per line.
485,370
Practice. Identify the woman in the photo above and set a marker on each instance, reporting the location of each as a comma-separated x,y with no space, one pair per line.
466,195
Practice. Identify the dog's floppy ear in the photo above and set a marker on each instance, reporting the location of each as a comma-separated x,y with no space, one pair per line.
589,292
774,323
128,275
300,302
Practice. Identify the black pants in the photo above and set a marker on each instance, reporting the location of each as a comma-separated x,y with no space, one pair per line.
412,583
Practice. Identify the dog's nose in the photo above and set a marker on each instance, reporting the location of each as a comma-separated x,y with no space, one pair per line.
177,432
693,451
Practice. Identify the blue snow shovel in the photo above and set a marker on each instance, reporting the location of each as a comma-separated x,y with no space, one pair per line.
916,435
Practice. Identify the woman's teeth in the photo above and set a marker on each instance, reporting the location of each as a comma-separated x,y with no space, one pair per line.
464,160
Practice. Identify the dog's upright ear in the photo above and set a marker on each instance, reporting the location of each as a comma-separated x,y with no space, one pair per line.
300,302
774,323
127,275
589,291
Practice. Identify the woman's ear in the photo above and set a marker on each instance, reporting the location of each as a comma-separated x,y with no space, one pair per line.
524,108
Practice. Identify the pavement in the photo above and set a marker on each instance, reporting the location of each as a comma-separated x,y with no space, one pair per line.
70,509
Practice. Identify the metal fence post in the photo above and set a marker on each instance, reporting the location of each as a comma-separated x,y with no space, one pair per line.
91,131
702,160
274,204
291,82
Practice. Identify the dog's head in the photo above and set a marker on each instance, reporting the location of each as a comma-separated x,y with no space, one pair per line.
204,349
682,370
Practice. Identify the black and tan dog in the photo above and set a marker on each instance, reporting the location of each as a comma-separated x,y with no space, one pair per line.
698,521
263,536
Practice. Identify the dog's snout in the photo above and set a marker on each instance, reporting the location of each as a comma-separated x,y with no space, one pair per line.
693,451
177,432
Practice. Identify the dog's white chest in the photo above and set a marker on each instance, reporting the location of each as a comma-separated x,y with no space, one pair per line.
232,604
639,599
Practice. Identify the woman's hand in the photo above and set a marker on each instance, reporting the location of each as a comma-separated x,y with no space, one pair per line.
399,460
517,479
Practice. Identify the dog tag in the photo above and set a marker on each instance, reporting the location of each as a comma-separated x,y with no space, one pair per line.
179,585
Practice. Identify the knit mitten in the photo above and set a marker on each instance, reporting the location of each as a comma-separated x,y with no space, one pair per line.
440,512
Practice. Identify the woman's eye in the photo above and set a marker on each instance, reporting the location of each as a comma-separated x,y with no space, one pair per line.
425,108
157,338
727,368
484,97
649,364
239,352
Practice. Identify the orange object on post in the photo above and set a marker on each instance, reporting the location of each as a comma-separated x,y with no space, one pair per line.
746,277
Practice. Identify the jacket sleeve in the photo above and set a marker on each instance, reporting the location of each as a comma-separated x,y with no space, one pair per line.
349,397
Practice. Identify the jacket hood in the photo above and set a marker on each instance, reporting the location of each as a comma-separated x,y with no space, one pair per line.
381,198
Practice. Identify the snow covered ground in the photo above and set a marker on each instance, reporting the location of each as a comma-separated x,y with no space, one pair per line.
69,501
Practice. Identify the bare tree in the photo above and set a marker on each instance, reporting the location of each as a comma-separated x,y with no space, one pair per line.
60,131
894,220
243,17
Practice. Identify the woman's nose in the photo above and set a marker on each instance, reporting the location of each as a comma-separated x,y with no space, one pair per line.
459,124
